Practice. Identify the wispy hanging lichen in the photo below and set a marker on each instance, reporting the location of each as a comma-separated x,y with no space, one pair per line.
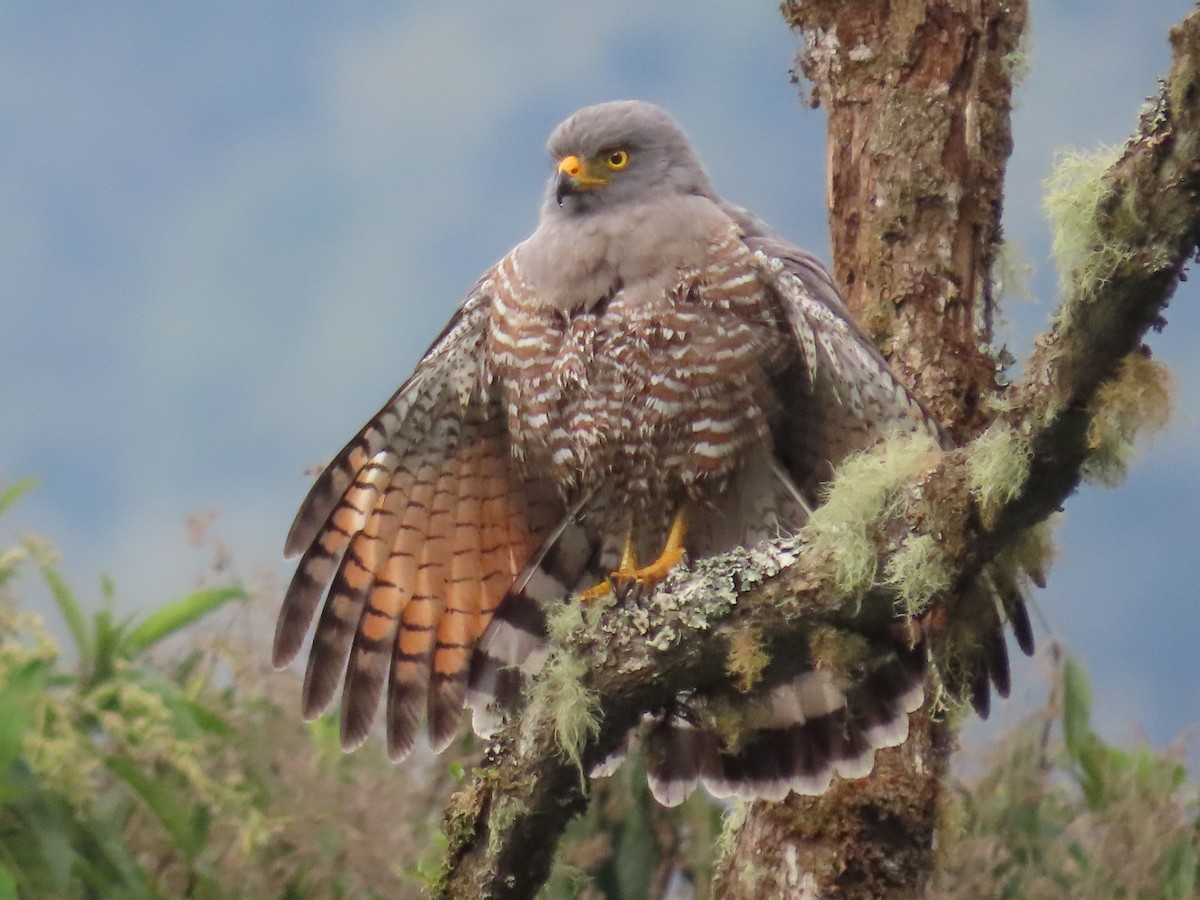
1086,255
746,660
1135,403
998,464
918,571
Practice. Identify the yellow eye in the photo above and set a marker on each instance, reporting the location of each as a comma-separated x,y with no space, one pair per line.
618,159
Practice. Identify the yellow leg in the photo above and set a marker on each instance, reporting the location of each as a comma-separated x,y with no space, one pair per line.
628,564
670,557
627,571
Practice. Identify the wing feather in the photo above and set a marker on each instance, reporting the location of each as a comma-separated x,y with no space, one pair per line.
452,361
407,502
413,535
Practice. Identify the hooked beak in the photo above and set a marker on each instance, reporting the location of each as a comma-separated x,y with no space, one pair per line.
574,178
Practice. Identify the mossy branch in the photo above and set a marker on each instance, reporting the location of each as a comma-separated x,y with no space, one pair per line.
1145,222
504,827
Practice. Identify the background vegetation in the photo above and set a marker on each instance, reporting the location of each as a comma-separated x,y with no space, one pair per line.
160,757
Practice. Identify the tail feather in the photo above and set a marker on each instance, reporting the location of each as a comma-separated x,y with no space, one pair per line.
999,598
515,641
1018,617
795,737
678,746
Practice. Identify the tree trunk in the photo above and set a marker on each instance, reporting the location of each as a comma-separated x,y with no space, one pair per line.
918,98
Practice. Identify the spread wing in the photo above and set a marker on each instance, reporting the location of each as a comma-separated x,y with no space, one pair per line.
413,534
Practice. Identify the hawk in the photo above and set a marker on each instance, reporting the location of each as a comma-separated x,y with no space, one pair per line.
652,374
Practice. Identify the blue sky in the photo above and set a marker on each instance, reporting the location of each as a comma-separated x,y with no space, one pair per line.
228,230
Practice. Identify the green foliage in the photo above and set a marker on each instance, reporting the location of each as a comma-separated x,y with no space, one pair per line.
104,643
140,773
627,847
1082,819
13,492
88,754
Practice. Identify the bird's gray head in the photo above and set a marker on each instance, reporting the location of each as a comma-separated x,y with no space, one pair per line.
616,153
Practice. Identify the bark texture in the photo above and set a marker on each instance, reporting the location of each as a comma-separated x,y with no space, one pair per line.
918,99
873,838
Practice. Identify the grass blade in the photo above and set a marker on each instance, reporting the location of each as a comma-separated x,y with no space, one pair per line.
176,616
65,600
11,494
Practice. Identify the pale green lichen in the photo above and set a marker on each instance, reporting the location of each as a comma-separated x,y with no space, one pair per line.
867,487
838,650
1137,402
1011,274
998,465
575,709
1095,232
1075,188
746,660
559,693
662,639
944,706
731,824
1017,61
563,620
918,571
1029,553
504,813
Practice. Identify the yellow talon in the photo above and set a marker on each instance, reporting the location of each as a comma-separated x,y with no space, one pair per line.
647,576
596,591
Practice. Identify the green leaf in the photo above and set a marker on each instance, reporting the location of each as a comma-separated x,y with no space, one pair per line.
8,885
191,717
178,615
107,638
11,494
1182,865
167,806
65,600
17,696
1077,708
1093,764
206,718
637,853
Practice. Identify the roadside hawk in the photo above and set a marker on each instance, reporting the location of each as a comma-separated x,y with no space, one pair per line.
650,375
